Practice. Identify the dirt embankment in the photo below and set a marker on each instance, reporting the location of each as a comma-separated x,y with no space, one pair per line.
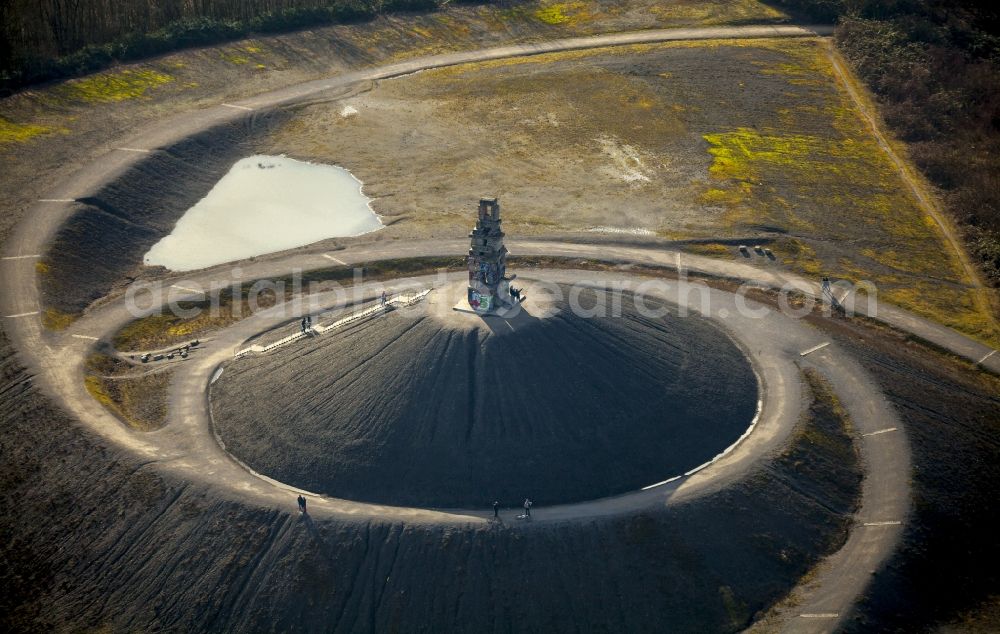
93,539
746,140
48,132
164,329
102,244
949,564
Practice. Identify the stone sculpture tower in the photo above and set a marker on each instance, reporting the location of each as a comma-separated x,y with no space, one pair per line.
488,285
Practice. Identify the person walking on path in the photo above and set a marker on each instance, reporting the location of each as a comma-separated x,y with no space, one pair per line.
527,508
302,505
384,298
496,509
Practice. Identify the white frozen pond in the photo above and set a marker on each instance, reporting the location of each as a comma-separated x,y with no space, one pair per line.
266,204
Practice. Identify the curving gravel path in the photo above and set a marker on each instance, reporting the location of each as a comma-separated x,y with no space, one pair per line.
187,448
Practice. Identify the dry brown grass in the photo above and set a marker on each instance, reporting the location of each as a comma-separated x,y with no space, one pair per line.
137,395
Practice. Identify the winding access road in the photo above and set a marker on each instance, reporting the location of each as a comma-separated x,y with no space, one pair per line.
186,447
776,343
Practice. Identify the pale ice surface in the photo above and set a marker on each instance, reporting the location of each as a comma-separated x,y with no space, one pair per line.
262,205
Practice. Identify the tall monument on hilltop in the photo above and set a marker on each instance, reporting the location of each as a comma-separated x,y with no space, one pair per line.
488,285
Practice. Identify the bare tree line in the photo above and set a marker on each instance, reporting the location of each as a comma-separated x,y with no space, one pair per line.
48,29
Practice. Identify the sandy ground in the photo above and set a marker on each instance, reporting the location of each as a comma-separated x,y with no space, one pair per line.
732,141
726,142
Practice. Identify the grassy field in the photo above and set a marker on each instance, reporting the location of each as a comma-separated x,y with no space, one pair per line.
691,140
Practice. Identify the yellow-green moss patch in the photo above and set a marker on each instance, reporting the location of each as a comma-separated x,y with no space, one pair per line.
114,85
57,320
561,12
11,132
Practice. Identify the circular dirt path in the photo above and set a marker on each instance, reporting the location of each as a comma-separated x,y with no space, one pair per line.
187,446
187,449
411,408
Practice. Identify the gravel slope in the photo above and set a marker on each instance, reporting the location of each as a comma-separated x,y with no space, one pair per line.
406,411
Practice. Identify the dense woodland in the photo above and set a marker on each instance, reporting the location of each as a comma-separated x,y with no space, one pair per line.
48,39
934,64
935,67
